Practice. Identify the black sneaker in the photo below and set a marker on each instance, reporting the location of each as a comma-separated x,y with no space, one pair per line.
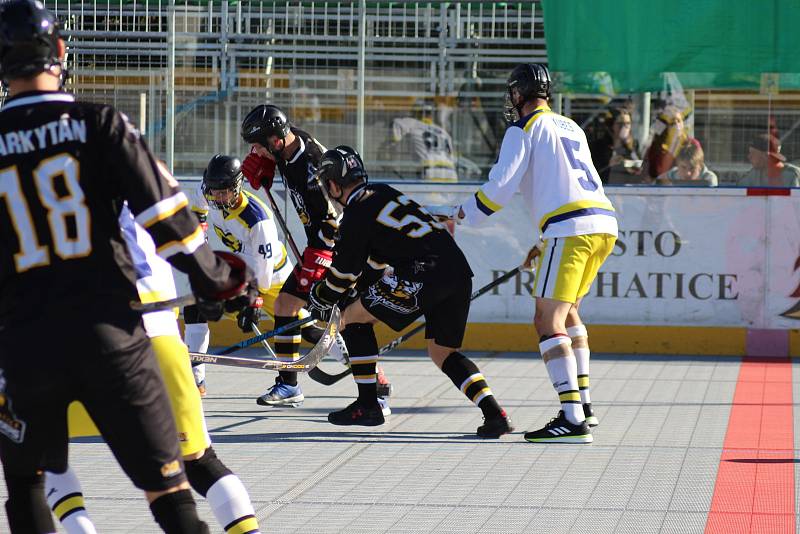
357,414
496,426
591,419
560,430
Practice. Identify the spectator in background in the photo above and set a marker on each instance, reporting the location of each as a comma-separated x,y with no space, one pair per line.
615,152
690,168
769,165
670,135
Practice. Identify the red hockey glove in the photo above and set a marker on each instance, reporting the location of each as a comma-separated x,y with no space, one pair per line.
241,290
315,263
258,170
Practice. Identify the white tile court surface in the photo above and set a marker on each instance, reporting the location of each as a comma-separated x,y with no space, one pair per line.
652,467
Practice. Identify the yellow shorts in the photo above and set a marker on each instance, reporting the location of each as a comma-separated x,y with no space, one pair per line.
269,301
567,266
173,360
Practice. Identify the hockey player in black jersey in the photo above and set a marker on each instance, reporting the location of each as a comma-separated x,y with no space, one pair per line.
66,168
381,228
276,142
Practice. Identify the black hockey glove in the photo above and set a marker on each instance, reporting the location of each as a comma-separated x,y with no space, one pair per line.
250,316
319,304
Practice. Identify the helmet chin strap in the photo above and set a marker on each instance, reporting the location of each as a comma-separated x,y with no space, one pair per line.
277,152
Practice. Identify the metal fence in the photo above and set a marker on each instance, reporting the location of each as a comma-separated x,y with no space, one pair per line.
188,71
444,62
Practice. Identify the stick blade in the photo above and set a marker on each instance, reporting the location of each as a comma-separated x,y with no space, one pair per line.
326,341
303,365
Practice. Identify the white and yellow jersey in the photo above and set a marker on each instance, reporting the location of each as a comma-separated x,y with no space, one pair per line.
250,231
433,146
546,157
154,280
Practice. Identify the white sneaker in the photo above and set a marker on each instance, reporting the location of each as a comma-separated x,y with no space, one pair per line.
199,372
384,402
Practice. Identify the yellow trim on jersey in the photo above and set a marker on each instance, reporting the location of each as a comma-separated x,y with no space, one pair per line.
70,504
486,201
572,206
187,245
162,209
544,109
235,212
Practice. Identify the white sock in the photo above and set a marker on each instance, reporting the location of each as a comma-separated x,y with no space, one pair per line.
580,346
231,505
196,337
563,371
65,498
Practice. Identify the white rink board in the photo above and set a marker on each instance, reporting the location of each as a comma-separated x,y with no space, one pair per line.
685,256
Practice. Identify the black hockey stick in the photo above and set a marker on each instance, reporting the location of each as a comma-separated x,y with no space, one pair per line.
332,379
283,225
261,337
417,329
304,364
316,374
178,302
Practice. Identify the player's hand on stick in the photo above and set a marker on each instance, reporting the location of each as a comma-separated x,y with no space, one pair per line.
445,213
250,315
239,292
319,306
259,170
316,262
533,253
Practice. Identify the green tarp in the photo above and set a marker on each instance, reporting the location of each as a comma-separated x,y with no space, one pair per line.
623,46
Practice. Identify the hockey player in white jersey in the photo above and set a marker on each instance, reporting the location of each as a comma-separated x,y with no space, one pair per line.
433,147
207,475
546,158
244,224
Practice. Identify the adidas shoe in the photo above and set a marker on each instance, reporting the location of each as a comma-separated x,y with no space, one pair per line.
560,430
496,426
282,394
591,419
357,414
384,387
384,403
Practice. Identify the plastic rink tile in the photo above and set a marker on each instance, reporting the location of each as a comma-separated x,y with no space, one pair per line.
755,487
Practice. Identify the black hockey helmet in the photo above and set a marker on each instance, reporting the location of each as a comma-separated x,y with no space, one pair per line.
531,80
28,39
222,173
342,165
262,122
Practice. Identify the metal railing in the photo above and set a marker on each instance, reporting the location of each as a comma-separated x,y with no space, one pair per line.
303,56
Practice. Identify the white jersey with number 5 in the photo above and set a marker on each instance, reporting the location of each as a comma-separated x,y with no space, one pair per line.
546,157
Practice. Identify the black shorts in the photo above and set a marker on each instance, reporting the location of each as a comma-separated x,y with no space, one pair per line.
291,286
442,297
122,391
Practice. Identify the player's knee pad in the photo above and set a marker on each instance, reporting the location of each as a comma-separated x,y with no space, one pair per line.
192,315
205,471
26,507
360,339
